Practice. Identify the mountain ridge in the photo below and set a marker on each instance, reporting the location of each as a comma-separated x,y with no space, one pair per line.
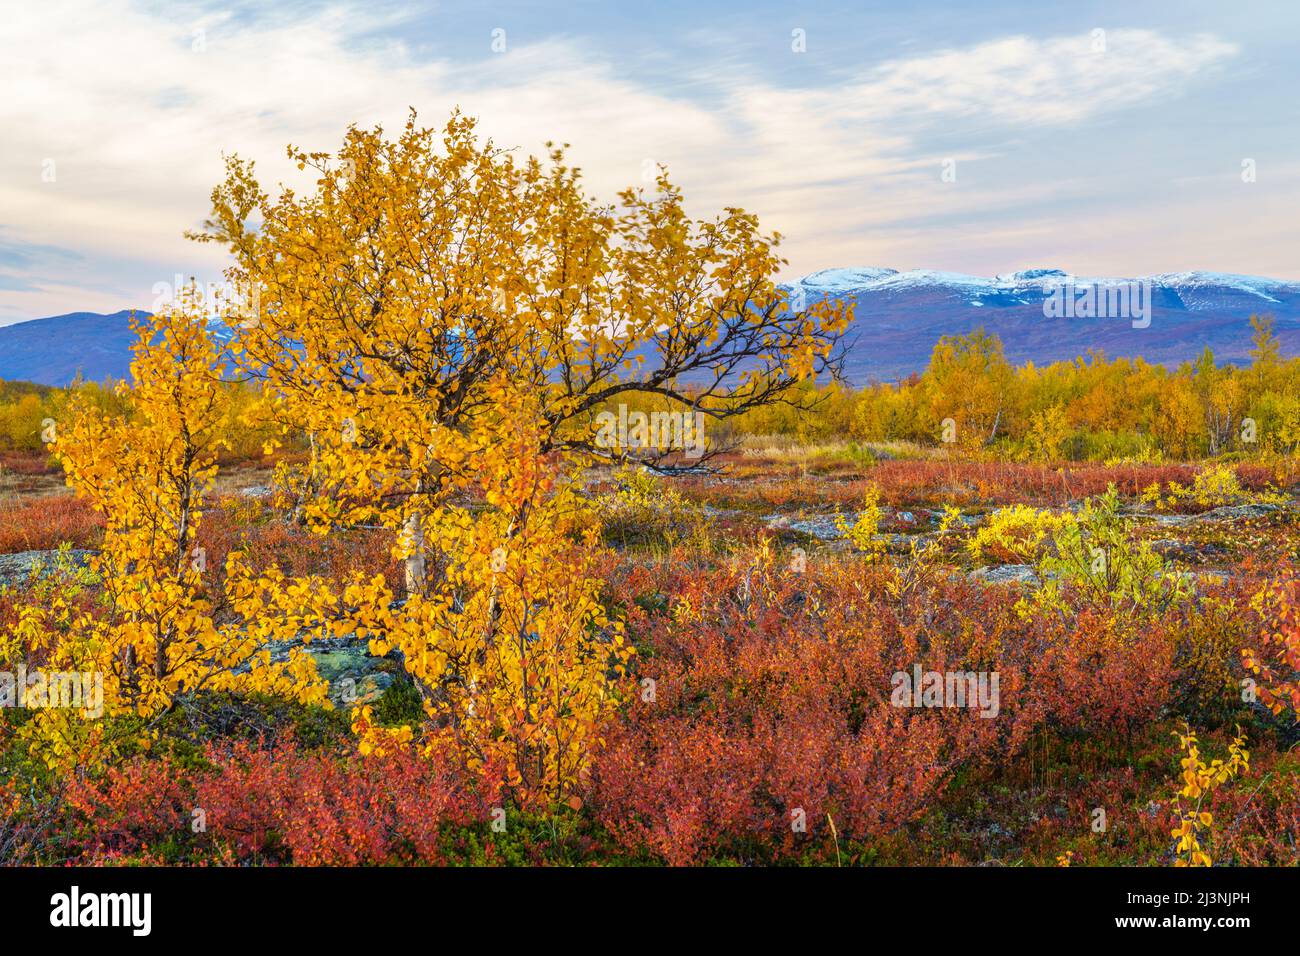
899,315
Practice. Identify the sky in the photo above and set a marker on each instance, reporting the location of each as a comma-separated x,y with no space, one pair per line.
1119,138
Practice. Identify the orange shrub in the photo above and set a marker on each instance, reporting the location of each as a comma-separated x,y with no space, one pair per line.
274,804
45,523
770,693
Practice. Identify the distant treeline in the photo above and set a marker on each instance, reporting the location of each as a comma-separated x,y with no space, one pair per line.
1092,408
969,397
30,414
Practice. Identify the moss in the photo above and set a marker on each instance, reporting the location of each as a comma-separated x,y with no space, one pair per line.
399,704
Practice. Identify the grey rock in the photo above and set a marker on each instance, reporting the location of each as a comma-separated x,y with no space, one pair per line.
1174,549
1225,513
1006,574
354,675
18,567
822,527
711,512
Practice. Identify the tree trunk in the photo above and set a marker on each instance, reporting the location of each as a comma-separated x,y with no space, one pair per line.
414,530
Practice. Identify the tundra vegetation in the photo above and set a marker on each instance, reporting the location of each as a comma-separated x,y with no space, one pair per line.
367,582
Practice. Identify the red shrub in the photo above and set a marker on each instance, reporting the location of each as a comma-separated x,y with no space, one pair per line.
276,804
41,524
772,694
29,463
267,540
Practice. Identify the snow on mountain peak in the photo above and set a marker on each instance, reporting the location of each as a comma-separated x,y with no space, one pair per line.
1254,285
829,282
1031,275
843,280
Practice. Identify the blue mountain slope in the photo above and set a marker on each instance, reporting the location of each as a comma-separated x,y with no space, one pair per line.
899,316
53,351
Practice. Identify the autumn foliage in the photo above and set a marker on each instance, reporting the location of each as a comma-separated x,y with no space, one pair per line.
275,804
158,638
648,672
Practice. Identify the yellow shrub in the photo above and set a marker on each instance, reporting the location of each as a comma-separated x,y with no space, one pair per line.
864,532
1199,779
1214,486
1014,535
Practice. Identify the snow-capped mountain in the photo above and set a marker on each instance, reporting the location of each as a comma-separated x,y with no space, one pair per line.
1039,316
1029,282
898,318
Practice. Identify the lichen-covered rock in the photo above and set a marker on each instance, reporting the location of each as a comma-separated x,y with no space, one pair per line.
355,676
1006,574
18,567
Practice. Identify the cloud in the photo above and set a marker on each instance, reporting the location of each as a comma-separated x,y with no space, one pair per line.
1058,80
126,110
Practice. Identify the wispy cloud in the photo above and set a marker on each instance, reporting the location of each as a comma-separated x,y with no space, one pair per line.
114,118
1055,80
